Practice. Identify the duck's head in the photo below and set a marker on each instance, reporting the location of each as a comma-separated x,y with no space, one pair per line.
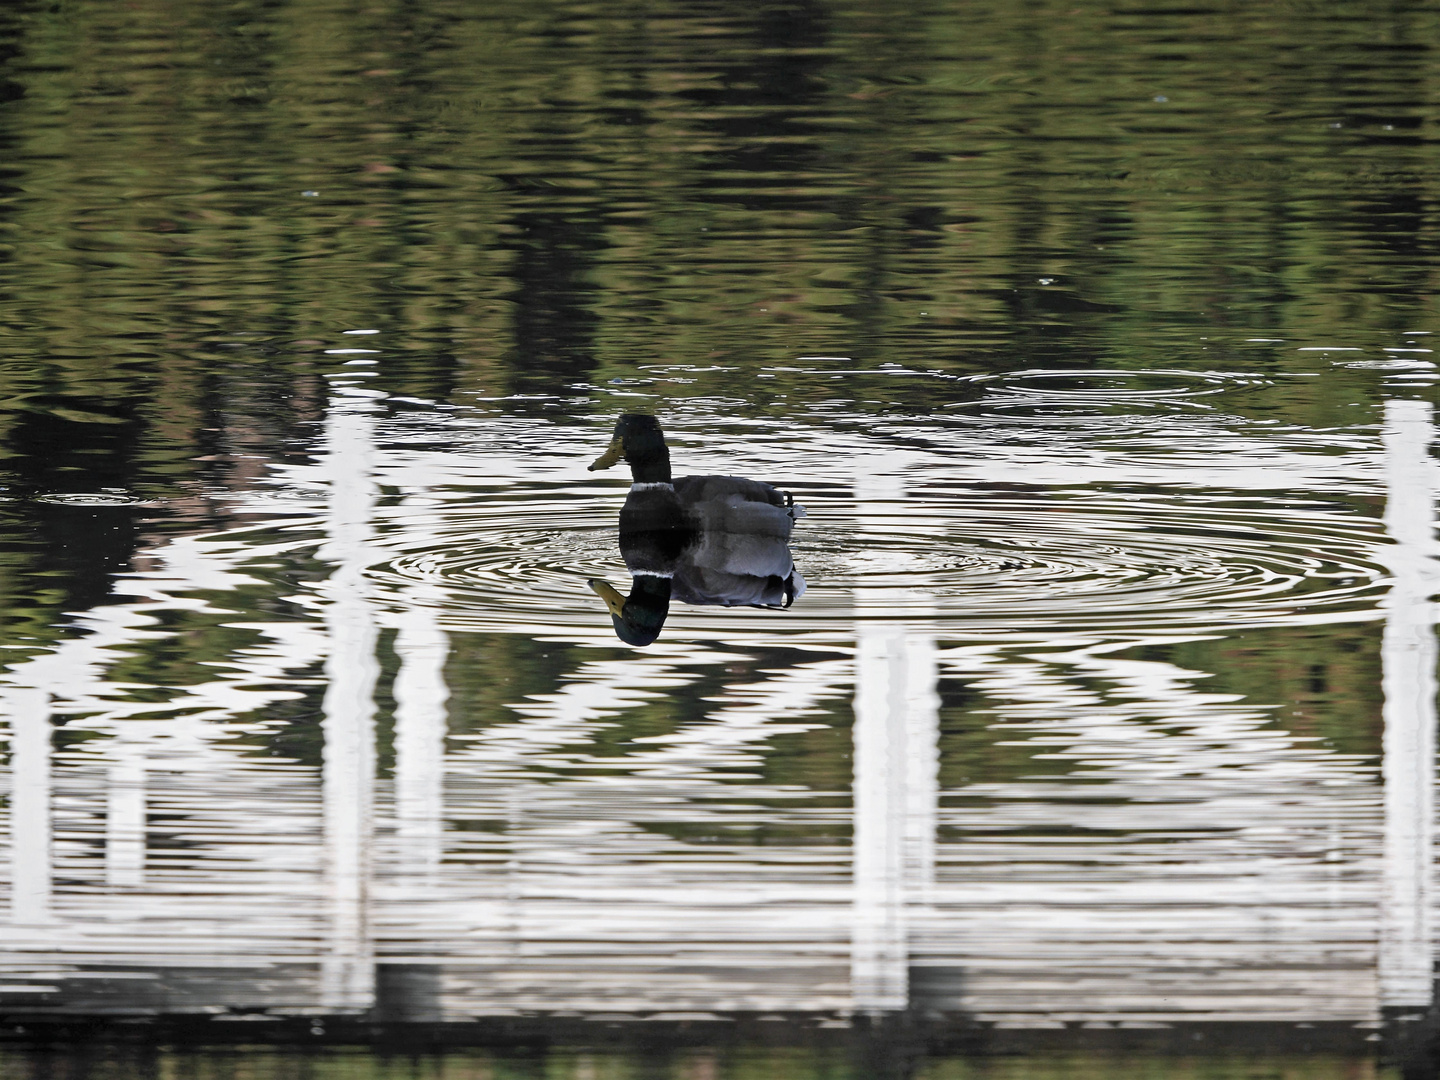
639,440
639,617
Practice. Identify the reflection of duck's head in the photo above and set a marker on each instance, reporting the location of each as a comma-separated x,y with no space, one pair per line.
639,617
639,440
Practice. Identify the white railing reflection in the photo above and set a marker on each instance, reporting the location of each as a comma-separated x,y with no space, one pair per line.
30,821
879,961
1406,959
112,777
420,724
351,672
1163,852
896,764
1071,892
896,788
125,815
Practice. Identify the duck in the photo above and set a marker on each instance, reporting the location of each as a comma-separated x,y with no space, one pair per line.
705,540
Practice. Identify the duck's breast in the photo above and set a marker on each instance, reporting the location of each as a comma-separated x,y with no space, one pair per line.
651,508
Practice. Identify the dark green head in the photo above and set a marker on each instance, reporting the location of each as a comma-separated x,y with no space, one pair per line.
639,617
639,440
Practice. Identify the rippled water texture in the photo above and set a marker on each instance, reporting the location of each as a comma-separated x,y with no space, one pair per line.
1095,341
1054,523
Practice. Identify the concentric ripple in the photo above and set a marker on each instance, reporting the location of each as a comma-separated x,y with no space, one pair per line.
1032,562
513,549
1094,559
105,497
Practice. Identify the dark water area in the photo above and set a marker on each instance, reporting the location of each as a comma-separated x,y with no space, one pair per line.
1095,341
679,1064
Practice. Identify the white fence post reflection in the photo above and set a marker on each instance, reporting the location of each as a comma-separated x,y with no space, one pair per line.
922,767
351,671
125,815
1409,655
30,818
420,725
879,958
896,768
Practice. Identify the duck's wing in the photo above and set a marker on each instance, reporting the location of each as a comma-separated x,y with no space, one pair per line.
698,489
734,504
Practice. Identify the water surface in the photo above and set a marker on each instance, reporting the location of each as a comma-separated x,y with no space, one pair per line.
1096,342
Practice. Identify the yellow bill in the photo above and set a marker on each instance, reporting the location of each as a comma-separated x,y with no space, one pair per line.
613,453
607,592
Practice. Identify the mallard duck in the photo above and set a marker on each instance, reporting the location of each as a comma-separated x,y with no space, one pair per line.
718,540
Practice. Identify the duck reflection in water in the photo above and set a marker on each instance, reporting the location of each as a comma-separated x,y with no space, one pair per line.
716,540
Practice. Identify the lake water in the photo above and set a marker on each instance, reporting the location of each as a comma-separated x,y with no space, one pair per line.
1097,343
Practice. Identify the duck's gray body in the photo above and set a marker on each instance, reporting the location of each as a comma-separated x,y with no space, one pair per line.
741,553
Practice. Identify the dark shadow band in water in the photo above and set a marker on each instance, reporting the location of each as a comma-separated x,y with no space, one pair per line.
890,1037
